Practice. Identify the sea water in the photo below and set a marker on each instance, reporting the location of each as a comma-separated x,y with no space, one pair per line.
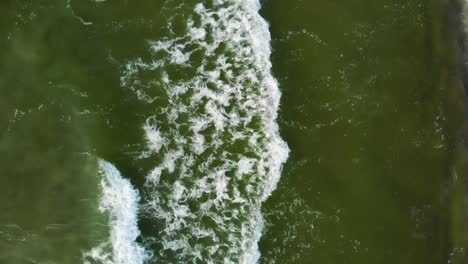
228,131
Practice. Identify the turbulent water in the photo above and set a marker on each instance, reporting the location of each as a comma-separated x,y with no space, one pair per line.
231,131
213,134
120,201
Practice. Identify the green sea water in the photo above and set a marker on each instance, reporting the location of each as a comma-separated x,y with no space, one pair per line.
365,113
370,110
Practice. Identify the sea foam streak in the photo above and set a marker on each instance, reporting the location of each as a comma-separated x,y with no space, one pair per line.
213,136
120,201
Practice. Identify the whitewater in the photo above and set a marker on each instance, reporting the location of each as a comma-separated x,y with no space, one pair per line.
213,140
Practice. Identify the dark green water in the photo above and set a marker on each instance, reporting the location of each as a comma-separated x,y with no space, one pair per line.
363,112
369,111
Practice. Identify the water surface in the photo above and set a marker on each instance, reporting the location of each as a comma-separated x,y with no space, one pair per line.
147,133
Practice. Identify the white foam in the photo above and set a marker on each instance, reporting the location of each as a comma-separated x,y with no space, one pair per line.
220,151
154,139
120,202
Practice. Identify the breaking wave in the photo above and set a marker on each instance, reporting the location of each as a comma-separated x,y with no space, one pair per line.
120,202
213,138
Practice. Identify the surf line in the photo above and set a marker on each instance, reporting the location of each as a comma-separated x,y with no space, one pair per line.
119,200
